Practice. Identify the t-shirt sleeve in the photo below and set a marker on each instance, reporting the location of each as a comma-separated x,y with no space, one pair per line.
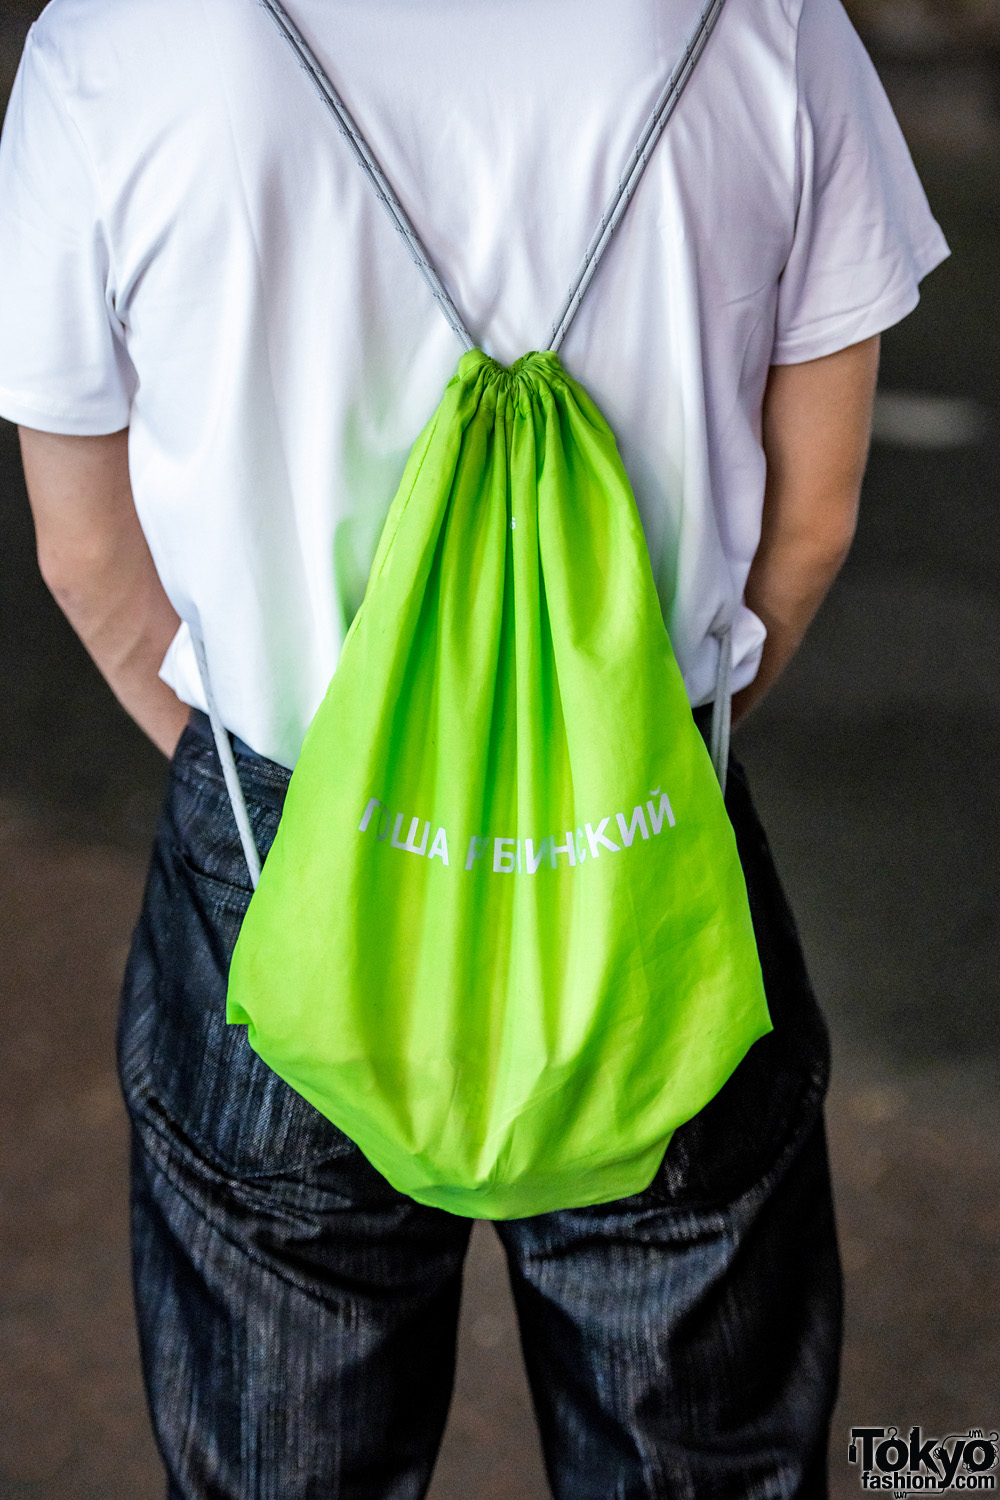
63,363
864,234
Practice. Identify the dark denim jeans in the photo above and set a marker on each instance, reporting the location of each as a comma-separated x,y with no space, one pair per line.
297,1316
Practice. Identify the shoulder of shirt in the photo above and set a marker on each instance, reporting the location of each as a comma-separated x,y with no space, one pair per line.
790,10
775,24
82,19
70,34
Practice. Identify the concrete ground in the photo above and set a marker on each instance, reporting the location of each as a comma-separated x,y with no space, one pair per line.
875,768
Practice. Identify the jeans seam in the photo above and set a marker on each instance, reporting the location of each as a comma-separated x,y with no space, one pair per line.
215,1225
184,1139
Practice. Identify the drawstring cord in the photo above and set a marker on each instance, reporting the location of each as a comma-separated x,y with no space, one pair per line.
718,739
722,705
383,190
224,746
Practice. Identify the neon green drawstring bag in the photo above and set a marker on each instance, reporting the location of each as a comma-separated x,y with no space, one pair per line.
502,937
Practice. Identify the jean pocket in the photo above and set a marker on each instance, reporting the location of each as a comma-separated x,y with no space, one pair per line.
182,1066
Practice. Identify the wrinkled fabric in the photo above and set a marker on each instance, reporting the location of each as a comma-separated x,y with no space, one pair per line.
297,1315
502,938
187,247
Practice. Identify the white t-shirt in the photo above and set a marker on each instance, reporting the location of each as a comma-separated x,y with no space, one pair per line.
187,247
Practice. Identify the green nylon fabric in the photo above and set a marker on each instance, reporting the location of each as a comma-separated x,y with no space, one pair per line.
502,938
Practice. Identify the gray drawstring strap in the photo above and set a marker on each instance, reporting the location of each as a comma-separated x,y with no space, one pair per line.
368,162
615,211
722,707
228,760
617,207
670,97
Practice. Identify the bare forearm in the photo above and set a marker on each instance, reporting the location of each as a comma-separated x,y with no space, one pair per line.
127,623
816,430
785,591
95,561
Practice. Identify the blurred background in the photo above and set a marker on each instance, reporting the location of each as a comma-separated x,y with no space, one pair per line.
875,767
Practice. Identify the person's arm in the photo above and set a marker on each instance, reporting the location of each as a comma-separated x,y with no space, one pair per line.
95,561
817,429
